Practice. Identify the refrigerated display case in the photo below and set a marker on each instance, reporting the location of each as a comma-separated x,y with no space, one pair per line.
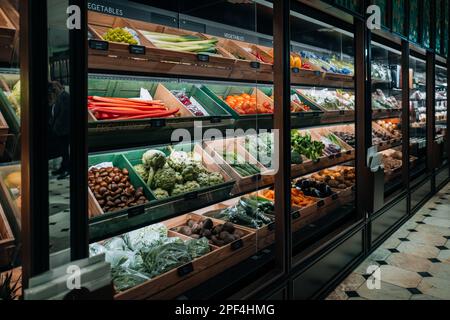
183,146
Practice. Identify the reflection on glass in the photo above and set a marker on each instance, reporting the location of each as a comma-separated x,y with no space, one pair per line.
441,111
417,118
386,106
58,126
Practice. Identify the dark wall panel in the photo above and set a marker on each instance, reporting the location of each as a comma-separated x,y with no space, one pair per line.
386,220
420,193
322,272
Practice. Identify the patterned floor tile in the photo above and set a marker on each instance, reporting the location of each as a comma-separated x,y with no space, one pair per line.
337,295
414,262
418,249
438,222
352,282
435,287
399,277
427,238
440,270
387,291
409,262
380,254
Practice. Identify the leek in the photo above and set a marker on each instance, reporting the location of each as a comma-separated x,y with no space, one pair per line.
170,37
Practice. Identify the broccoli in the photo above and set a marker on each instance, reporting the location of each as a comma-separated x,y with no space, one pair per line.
189,173
160,193
154,159
141,171
164,179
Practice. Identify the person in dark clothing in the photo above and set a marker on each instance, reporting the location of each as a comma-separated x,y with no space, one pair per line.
59,127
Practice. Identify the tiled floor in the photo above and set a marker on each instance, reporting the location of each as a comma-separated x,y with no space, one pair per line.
414,263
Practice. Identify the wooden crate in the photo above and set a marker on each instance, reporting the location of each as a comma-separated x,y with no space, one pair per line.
309,166
7,240
178,280
330,116
385,144
7,37
154,60
170,101
215,149
318,133
265,236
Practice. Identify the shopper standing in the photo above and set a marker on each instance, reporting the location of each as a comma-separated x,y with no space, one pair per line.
59,127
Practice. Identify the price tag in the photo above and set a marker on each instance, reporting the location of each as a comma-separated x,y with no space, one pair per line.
255,64
295,70
202,57
158,123
98,45
191,195
135,211
185,269
296,215
135,49
237,244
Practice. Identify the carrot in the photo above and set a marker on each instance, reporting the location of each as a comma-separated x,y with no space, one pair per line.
124,111
122,100
155,115
113,105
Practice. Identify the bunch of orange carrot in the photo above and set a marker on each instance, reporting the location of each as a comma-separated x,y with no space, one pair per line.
104,108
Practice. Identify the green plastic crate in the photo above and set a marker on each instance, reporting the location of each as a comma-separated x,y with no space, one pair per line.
220,92
134,157
121,162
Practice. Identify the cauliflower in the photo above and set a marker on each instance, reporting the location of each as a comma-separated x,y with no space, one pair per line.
141,171
178,160
164,179
215,178
154,159
189,173
160,193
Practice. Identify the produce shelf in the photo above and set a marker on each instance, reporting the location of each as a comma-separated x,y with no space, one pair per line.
7,239
231,62
7,37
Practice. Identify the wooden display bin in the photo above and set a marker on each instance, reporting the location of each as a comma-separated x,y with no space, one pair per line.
392,142
119,56
309,166
161,93
170,284
7,37
324,206
216,148
4,134
11,202
329,116
265,236
7,240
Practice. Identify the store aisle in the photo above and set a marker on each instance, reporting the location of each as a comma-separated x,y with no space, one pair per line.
414,261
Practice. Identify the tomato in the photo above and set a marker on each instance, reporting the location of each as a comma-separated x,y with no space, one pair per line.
245,96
